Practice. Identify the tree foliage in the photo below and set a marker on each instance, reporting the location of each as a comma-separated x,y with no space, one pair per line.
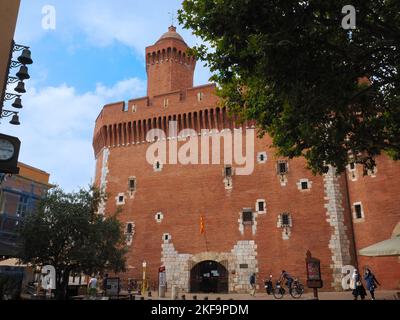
320,91
67,233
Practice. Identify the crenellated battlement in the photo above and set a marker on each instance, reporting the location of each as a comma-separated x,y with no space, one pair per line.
118,125
168,55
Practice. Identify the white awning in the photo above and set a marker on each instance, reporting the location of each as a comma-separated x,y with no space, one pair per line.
389,247
11,263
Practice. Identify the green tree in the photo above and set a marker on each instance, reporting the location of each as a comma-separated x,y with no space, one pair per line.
67,233
320,91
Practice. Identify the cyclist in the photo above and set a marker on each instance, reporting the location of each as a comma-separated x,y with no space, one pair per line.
288,278
268,285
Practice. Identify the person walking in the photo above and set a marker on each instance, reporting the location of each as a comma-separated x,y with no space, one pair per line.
92,287
253,284
357,286
48,282
371,282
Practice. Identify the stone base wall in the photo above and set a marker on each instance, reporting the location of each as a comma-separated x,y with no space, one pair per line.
240,263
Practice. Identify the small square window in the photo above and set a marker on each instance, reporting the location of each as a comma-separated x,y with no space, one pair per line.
132,184
166,237
121,199
304,185
157,166
159,217
228,171
129,228
352,166
282,167
358,211
285,219
262,157
261,206
247,217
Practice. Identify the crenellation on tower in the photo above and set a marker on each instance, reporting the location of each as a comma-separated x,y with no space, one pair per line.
168,65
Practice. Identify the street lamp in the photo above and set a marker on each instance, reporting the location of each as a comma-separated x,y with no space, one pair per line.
8,113
144,284
23,60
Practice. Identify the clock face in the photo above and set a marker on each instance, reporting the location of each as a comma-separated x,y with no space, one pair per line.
6,150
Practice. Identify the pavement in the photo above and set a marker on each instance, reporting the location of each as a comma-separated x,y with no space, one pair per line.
346,295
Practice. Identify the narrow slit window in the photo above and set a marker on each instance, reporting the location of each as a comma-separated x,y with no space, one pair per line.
129,228
132,184
247,217
282,167
358,211
228,171
285,220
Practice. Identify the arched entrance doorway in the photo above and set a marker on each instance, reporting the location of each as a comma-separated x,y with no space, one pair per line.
209,277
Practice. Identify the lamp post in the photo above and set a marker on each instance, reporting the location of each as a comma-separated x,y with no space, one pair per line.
23,60
8,113
144,284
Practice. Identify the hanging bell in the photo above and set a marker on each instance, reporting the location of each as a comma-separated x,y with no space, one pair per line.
20,88
17,103
15,120
25,57
23,74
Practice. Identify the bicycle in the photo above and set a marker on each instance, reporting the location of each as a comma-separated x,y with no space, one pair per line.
296,290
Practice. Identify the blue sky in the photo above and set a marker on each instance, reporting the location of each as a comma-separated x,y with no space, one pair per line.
94,56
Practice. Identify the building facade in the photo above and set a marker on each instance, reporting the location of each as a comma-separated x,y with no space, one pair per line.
19,195
208,220
8,20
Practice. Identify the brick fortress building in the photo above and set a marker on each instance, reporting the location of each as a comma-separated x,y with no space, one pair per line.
263,222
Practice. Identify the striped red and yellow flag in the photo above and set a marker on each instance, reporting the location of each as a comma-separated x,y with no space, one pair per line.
202,229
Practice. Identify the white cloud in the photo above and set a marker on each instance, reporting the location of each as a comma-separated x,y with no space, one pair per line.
57,126
121,88
136,24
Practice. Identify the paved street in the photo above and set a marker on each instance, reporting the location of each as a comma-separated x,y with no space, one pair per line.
380,295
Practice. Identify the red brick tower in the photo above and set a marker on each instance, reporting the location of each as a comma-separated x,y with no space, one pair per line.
169,68
262,222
